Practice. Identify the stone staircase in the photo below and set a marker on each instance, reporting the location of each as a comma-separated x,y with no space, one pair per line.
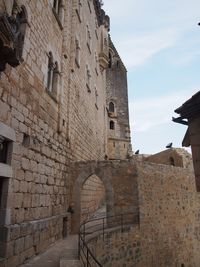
70,258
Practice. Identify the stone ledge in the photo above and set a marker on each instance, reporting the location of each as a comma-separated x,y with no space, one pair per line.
7,132
5,170
70,263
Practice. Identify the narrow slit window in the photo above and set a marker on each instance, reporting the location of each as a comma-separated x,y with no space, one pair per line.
112,125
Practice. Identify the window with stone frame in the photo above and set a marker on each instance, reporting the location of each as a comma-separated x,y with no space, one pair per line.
112,125
96,98
88,79
58,10
79,9
111,107
53,76
89,39
77,52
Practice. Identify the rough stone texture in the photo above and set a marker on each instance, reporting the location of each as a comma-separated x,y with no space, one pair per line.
87,121
178,157
168,233
119,146
120,182
52,129
118,248
92,196
169,226
54,132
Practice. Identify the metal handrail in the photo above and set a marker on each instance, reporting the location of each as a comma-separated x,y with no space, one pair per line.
101,226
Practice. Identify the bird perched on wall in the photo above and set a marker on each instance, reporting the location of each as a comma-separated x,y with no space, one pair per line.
169,145
137,152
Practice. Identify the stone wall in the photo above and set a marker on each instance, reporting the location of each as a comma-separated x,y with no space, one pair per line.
31,237
169,208
52,127
168,233
116,248
38,192
117,96
87,102
118,148
92,196
178,157
120,182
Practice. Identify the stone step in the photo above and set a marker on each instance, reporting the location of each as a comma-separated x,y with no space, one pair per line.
70,258
70,254
70,263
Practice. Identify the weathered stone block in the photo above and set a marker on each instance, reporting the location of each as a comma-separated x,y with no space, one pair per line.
19,245
28,242
18,200
25,164
14,231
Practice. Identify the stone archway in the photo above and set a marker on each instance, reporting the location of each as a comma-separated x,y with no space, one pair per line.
83,175
120,182
92,198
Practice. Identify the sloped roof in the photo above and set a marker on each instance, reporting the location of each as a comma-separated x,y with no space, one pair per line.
191,108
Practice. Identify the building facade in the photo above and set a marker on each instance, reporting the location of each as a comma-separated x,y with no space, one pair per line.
58,71
117,102
189,114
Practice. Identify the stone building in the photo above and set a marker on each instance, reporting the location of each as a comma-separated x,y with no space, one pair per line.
178,157
190,115
65,143
54,110
117,103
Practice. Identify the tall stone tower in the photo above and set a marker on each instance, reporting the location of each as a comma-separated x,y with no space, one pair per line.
119,143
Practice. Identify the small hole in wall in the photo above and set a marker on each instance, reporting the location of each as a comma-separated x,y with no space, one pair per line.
182,265
114,144
26,140
171,161
63,122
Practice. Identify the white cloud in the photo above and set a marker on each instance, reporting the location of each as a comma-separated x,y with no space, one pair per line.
135,50
142,28
187,57
151,112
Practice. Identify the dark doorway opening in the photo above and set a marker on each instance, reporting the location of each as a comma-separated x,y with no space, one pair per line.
65,224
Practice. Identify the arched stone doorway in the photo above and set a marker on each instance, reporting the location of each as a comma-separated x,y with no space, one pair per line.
82,179
92,197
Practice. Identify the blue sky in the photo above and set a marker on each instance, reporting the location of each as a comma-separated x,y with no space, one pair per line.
159,42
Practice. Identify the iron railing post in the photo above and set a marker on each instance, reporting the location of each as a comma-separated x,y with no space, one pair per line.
85,254
122,227
103,228
87,258
79,245
84,232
